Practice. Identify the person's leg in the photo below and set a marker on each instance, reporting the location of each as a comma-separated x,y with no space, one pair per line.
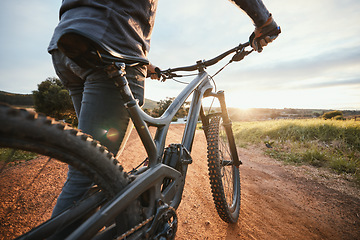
101,113
76,184
75,187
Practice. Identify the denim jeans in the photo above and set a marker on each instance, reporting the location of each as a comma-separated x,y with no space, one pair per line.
100,111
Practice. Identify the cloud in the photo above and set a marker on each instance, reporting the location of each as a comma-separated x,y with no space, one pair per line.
187,31
337,66
334,83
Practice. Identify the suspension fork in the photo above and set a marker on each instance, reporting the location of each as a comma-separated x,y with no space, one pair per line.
227,125
204,120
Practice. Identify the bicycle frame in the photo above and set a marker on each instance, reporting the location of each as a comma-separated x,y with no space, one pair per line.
152,178
160,183
149,180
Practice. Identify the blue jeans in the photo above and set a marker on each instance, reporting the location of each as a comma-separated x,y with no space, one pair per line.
100,111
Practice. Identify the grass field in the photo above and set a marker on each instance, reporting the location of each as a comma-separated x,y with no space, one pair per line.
322,143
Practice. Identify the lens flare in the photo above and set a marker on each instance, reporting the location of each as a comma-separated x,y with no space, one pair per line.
112,134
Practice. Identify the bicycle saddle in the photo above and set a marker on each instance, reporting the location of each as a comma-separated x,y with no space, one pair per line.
86,51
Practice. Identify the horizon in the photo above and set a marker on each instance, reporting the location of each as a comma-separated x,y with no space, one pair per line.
238,108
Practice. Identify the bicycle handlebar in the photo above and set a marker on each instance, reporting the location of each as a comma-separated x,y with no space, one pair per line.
240,54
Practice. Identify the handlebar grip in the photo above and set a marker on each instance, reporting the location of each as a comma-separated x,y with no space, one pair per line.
158,72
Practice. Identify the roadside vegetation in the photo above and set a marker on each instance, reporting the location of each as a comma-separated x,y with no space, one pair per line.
10,157
332,144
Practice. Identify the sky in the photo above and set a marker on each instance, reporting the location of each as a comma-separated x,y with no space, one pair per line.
314,63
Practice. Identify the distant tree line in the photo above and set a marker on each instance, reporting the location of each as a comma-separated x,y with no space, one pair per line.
24,100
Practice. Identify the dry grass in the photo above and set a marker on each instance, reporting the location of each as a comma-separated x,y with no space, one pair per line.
321,143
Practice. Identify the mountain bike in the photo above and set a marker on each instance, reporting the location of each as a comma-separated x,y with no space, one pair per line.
142,203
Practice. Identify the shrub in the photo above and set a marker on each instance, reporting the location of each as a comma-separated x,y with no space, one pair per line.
338,117
54,100
332,114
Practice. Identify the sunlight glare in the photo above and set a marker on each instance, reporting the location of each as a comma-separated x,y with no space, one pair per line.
112,134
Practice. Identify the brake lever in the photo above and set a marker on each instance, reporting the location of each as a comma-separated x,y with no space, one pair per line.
168,75
240,55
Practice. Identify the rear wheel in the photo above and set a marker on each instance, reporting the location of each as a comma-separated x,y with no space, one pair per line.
224,176
34,153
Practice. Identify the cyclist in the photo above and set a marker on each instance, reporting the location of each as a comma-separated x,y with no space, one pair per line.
126,27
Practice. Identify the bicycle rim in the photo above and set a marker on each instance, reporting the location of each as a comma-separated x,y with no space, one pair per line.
224,176
32,180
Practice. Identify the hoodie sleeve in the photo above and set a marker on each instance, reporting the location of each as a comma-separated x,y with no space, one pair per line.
255,9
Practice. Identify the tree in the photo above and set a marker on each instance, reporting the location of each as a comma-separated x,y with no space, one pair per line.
54,100
333,114
164,104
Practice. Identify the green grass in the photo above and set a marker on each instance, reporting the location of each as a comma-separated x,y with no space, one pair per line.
12,156
320,143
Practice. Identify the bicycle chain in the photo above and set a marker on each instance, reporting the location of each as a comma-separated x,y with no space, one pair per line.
136,228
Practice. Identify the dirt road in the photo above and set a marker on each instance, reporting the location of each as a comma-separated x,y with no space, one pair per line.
278,201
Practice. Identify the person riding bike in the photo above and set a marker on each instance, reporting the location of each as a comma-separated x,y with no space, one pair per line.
126,27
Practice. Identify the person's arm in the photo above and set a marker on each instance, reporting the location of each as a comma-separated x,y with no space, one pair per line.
255,9
266,29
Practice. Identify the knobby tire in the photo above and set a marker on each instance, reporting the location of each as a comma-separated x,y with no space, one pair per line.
21,129
224,176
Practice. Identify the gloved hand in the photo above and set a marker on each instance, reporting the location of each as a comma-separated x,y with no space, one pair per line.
153,72
264,34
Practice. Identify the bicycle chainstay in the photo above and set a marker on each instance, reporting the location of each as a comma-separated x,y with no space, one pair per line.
163,226
136,228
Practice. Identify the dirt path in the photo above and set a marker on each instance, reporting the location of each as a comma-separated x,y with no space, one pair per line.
278,201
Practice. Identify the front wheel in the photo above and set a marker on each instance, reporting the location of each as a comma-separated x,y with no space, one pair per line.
224,175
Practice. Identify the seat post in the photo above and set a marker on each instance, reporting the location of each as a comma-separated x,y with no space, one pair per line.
117,72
